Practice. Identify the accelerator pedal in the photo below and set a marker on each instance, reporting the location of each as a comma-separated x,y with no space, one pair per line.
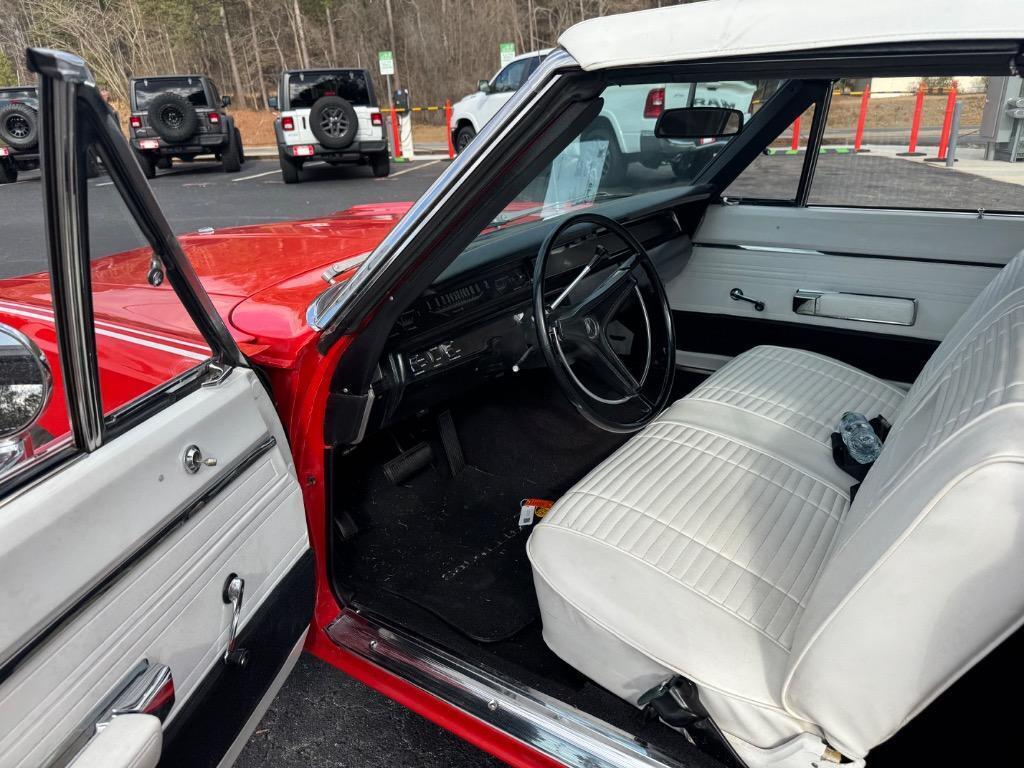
450,443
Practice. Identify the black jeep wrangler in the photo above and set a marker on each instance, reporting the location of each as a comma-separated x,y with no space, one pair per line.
181,116
19,131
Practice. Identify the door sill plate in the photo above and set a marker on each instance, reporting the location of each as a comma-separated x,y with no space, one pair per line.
549,726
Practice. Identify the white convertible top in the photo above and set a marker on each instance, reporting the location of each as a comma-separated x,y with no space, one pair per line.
719,28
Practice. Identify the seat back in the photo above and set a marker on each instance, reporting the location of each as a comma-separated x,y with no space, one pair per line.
927,571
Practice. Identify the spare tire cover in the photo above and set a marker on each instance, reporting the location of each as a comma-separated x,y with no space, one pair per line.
19,126
333,121
172,117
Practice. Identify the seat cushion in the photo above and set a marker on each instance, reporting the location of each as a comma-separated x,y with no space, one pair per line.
803,391
689,551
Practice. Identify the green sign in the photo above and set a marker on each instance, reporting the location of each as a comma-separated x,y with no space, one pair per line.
386,59
507,52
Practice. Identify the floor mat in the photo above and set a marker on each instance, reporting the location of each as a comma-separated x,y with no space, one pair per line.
451,546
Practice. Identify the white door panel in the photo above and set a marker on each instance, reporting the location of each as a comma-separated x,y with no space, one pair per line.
942,291
923,235
939,260
62,538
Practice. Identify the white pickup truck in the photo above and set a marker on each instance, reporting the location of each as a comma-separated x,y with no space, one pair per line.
330,115
626,121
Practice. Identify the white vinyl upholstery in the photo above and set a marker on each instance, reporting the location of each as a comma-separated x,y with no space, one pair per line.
720,542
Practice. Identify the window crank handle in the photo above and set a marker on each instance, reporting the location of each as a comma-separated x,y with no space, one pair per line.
737,295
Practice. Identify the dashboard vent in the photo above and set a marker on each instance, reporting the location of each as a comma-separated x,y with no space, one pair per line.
455,299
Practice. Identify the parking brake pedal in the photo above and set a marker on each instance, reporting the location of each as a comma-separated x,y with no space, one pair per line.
450,442
408,463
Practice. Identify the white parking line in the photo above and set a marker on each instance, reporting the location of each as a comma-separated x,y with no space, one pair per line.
105,184
414,168
257,175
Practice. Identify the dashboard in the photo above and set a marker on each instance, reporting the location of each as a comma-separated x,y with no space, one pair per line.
476,321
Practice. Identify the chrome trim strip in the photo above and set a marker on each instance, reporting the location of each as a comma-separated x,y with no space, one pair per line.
64,211
326,308
805,302
549,726
181,516
845,254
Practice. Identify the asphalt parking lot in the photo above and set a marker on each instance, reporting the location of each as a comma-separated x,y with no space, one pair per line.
194,195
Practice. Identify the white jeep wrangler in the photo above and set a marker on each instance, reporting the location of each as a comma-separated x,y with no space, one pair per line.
330,115
626,122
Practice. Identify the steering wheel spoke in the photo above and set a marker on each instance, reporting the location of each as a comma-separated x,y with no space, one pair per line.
577,331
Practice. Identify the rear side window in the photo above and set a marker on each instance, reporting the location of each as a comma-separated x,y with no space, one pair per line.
305,88
190,88
17,93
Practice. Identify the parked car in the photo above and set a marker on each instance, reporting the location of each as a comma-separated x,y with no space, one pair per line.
330,115
19,134
553,464
627,122
183,117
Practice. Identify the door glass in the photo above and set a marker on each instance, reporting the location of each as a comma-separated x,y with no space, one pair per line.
775,175
26,308
904,130
144,335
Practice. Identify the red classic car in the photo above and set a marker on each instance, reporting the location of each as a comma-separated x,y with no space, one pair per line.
572,465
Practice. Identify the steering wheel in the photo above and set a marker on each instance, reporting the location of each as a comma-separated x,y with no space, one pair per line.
621,395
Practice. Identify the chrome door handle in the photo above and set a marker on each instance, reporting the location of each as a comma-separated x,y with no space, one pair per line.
150,692
194,460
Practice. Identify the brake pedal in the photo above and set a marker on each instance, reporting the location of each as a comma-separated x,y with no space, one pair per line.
450,443
408,464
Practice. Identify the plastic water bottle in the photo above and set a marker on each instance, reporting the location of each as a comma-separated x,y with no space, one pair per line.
859,437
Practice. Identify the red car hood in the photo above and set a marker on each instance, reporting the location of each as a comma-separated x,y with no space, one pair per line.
261,279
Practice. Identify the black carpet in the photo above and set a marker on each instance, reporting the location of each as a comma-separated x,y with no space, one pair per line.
453,545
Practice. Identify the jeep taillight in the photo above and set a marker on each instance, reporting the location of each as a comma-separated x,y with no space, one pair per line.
287,124
136,121
655,103
376,119
214,118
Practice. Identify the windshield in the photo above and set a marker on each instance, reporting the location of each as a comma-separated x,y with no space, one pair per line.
304,88
189,88
618,155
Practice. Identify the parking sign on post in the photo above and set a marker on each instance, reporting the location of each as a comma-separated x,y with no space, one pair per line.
507,52
386,59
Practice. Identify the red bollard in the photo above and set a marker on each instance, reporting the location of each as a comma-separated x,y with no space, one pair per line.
947,123
448,127
795,145
396,140
915,126
862,119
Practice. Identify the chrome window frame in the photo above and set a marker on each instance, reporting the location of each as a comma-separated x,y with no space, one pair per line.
70,108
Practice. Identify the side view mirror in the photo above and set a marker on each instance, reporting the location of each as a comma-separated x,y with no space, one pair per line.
698,123
25,388
225,101
484,86
272,102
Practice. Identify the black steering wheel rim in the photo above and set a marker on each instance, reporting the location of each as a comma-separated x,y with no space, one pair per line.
652,392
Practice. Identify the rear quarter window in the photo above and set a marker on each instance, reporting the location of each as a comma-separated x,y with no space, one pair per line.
190,88
306,87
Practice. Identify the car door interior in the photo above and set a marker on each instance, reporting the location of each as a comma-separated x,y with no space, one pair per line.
164,571
876,288
124,556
